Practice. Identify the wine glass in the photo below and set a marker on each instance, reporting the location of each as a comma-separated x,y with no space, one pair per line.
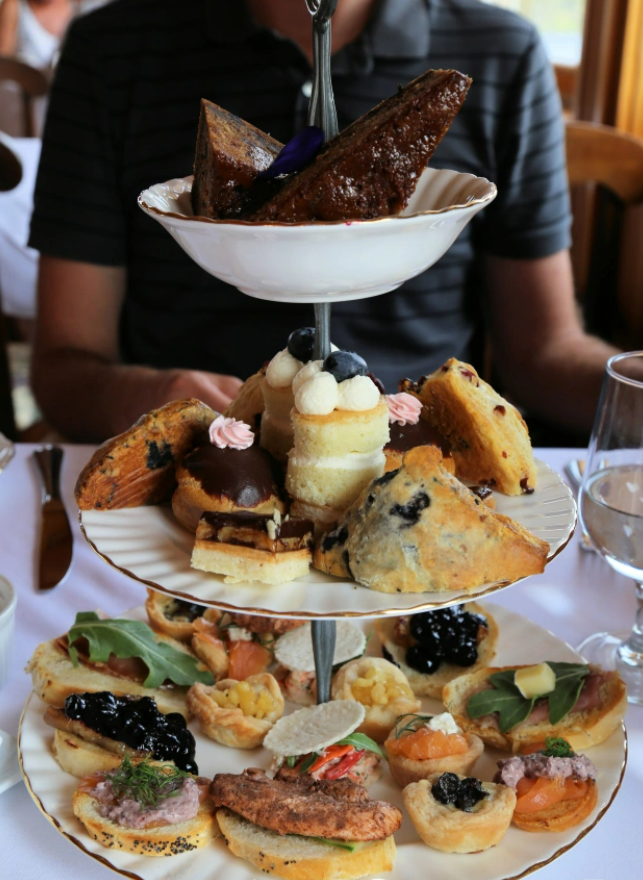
611,508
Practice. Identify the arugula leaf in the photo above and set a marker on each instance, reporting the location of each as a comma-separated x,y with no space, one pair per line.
569,682
513,708
308,762
360,741
133,638
505,699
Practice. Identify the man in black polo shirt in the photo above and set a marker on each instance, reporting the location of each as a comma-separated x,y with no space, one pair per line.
128,321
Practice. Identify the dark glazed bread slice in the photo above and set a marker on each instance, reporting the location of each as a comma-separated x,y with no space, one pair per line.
372,167
230,153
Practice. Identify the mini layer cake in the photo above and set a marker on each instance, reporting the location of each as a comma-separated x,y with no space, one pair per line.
488,436
276,424
229,475
408,429
340,425
247,547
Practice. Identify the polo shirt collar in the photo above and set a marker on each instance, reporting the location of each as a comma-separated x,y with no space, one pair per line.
400,29
397,29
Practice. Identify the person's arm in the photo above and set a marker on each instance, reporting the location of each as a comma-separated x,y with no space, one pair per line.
544,358
8,27
79,383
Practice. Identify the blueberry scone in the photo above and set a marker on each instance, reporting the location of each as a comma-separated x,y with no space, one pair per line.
488,437
419,529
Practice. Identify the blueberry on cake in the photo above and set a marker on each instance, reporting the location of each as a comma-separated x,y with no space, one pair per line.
419,529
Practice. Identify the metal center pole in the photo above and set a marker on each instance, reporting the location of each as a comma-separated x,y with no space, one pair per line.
322,113
324,632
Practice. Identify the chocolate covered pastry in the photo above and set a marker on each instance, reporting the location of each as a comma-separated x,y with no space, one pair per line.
227,478
408,429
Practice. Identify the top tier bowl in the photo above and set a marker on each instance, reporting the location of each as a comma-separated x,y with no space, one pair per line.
324,262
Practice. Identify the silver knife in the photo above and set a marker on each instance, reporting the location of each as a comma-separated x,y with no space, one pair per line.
56,542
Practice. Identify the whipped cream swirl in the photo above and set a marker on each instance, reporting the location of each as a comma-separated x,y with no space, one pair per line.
403,408
229,433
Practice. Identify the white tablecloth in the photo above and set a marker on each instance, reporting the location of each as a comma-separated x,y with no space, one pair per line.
577,595
19,263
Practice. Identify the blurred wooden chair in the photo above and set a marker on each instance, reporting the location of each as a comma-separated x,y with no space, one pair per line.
567,80
31,84
610,263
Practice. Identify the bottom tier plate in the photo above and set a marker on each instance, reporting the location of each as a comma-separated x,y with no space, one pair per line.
520,853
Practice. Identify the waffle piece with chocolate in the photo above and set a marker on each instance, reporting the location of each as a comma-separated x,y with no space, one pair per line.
372,167
230,153
137,467
247,547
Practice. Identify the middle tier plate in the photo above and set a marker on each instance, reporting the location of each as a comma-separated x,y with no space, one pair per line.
148,545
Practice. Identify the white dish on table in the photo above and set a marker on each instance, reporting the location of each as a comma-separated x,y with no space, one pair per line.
319,261
149,545
519,853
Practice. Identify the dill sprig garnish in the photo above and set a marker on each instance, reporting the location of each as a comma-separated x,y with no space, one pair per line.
146,783
411,725
557,747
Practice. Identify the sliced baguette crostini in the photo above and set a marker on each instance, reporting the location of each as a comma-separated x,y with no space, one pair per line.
582,729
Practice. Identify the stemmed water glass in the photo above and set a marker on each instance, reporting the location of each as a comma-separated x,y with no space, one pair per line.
611,508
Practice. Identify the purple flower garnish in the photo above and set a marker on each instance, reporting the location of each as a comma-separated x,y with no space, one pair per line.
296,154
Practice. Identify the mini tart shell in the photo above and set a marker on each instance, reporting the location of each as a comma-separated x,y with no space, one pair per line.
182,630
406,770
455,831
560,816
378,720
431,685
230,727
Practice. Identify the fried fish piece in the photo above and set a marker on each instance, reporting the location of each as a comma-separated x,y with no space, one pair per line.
339,810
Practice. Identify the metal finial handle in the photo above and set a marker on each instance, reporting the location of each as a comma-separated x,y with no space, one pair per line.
324,632
321,110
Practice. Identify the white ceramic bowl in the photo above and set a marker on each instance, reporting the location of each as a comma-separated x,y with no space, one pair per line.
322,262
7,620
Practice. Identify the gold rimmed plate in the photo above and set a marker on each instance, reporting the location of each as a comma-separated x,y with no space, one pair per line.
517,855
148,545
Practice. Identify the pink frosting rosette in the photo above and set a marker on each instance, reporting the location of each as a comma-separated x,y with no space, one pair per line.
230,433
403,408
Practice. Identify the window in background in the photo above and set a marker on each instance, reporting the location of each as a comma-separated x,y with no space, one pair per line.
560,23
